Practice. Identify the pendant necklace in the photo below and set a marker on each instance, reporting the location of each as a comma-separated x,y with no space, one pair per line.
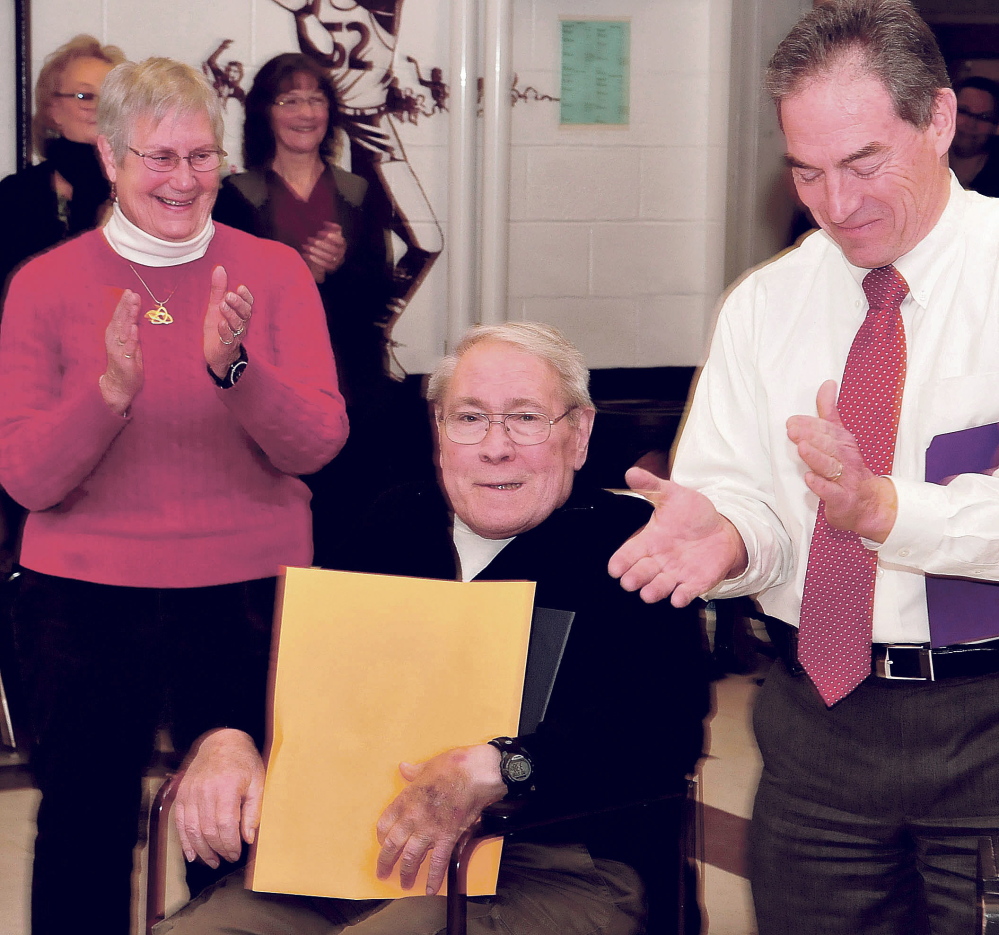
158,315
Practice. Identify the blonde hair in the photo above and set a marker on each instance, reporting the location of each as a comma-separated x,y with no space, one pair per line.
152,89
47,86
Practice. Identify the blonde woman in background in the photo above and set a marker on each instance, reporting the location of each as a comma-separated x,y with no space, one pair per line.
66,193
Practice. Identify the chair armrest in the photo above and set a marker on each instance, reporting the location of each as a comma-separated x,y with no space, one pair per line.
518,815
988,884
156,850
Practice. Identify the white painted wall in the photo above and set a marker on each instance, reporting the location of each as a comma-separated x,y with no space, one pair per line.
8,139
760,205
616,235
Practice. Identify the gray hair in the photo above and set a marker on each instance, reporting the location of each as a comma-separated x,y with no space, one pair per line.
152,89
888,37
541,341
47,86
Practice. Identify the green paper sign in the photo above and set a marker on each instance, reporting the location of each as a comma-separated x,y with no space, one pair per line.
596,61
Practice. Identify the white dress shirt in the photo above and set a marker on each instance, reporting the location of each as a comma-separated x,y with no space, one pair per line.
786,328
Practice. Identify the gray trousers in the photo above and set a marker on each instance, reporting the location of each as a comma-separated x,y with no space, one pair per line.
541,889
868,813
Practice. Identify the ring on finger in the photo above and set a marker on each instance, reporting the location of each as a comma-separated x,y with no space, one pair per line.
227,343
242,328
837,475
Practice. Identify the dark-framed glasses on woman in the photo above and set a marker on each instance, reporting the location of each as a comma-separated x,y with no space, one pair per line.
84,97
294,101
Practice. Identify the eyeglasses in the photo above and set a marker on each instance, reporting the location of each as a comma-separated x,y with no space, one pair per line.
204,160
87,97
524,428
981,118
315,101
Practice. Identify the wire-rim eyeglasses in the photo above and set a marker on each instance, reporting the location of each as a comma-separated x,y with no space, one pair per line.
202,160
524,428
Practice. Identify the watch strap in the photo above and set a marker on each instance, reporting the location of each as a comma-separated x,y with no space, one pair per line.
234,372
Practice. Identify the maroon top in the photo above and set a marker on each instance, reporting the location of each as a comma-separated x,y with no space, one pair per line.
295,220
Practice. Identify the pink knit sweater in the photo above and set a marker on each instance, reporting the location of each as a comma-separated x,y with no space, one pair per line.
197,486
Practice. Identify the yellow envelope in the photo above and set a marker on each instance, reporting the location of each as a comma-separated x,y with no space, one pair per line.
373,670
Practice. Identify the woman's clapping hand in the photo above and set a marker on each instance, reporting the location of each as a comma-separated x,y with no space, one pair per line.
226,321
122,380
324,252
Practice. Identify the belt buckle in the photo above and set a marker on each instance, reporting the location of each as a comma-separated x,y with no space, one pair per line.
883,665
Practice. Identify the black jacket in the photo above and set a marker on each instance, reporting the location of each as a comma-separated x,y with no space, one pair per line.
29,205
625,716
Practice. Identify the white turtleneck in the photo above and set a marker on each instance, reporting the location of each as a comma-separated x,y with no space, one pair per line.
135,245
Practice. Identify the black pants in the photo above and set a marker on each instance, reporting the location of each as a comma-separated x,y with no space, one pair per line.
102,667
868,813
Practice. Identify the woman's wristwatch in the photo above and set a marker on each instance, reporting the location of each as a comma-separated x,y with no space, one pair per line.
516,767
234,372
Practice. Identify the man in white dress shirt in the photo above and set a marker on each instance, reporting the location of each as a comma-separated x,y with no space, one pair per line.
872,797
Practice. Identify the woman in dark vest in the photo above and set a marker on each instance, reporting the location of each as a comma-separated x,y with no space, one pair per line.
291,191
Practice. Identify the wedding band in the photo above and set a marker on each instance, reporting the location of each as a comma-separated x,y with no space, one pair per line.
837,475
128,357
227,343
236,334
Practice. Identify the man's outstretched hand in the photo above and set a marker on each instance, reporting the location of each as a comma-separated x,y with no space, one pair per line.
685,549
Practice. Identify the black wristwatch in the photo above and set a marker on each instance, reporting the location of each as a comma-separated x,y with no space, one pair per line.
234,372
516,767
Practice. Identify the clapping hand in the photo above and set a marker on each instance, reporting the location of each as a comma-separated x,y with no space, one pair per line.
123,378
324,251
856,498
226,321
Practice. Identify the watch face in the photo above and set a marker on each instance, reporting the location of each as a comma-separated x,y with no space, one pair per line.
517,767
237,371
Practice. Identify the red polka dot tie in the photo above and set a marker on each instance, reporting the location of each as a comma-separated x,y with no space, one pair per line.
837,607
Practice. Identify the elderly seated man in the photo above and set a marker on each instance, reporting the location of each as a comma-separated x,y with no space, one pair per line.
513,417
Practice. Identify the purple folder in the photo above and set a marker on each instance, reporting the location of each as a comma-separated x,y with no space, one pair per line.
962,609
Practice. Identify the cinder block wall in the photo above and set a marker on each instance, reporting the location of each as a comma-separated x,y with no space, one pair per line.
616,235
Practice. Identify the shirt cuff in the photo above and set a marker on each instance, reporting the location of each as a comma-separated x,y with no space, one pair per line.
919,523
743,583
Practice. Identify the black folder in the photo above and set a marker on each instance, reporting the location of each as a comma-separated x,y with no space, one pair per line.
549,633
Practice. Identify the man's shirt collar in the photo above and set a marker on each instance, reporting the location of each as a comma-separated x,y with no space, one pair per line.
923,265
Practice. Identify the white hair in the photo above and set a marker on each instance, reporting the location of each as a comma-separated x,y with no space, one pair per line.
541,341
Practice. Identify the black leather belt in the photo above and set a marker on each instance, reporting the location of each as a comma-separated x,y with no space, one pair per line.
915,662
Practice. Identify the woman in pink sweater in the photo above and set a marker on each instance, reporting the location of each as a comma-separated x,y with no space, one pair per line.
163,382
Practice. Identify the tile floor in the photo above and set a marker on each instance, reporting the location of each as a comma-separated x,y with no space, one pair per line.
728,778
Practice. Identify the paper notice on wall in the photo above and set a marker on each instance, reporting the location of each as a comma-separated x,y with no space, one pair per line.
370,671
596,66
